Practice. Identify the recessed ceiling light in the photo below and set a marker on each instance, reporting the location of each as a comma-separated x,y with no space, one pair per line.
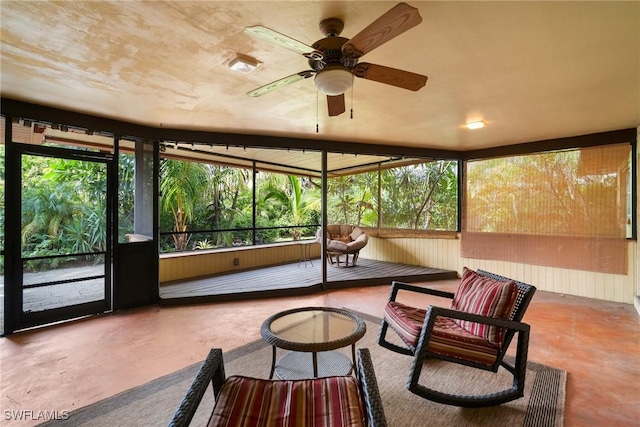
478,124
244,64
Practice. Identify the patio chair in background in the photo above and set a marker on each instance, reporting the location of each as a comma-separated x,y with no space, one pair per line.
343,244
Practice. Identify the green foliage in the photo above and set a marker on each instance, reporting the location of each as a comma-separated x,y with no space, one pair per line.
421,196
182,185
414,195
288,200
126,188
64,203
351,199
63,208
203,244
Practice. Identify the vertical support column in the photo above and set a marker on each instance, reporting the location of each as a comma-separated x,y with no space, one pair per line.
12,228
136,266
634,220
253,209
323,241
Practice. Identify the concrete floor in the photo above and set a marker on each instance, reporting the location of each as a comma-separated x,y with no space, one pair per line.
67,366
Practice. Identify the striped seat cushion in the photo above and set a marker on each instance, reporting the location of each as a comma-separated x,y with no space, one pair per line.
322,402
487,297
447,338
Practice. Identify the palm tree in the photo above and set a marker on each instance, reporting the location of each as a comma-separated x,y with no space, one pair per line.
183,185
297,201
227,188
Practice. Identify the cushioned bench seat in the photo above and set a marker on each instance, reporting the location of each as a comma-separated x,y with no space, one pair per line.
323,402
241,401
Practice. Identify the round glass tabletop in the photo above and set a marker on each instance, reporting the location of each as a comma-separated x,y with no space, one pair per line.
313,329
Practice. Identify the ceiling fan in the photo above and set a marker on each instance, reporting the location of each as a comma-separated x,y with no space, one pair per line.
334,60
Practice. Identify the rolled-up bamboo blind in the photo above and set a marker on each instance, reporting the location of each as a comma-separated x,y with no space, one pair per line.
566,209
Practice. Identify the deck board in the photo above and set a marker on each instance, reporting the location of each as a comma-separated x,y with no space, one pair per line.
300,276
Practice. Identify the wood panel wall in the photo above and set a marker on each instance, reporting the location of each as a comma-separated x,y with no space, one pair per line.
428,252
445,253
189,265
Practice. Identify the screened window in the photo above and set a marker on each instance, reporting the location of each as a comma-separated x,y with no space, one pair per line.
418,196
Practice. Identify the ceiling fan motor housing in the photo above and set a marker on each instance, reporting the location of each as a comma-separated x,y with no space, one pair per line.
331,47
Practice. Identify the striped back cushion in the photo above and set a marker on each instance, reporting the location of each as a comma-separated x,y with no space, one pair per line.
322,402
487,297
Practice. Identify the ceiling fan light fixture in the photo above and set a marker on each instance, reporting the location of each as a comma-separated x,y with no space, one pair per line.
334,80
478,124
244,64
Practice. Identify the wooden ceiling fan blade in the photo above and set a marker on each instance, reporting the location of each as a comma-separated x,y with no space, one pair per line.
336,105
280,83
396,21
279,39
391,76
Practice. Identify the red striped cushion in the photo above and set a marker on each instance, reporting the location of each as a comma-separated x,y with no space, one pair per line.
451,340
405,320
447,338
487,297
322,402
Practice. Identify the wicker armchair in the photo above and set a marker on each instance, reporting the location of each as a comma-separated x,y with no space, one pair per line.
357,399
485,314
343,244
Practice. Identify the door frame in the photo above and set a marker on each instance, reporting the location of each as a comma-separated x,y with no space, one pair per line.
15,317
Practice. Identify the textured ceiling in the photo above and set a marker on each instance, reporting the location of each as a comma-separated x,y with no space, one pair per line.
531,70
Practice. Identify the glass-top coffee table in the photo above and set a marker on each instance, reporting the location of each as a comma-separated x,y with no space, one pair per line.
311,334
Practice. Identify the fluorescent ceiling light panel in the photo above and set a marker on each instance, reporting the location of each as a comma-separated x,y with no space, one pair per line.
244,64
478,124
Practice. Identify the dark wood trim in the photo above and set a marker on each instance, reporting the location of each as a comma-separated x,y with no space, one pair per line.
13,216
41,113
634,189
127,130
405,233
579,141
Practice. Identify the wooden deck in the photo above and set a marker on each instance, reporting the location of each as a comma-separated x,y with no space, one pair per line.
295,278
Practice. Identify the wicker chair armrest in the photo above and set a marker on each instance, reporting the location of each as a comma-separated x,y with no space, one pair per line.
211,371
372,402
398,286
433,312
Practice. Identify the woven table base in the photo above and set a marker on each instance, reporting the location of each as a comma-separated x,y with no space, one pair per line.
298,365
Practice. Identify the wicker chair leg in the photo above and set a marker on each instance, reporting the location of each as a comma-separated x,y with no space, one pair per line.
516,391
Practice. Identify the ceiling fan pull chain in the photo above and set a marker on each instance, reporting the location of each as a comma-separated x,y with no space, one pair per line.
351,102
317,111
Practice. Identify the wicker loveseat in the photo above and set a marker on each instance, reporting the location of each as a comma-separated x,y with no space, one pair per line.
319,402
343,244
